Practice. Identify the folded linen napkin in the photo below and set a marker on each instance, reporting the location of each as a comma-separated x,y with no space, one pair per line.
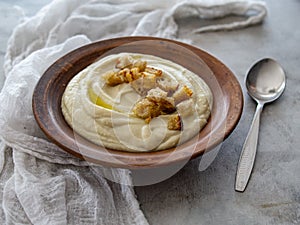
41,184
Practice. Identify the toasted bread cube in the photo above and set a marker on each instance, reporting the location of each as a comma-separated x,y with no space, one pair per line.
153,71
156,103
141,65
160,97
124,61
167,106
113,78
146,109
144,84
156,94
135,71
182,94
174,122
167,85
129,77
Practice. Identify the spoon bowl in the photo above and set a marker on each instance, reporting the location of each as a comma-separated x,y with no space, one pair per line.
265,82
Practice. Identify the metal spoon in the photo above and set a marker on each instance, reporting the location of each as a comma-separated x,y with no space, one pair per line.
265,82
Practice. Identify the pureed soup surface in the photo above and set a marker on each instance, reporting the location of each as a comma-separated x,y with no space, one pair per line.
136,102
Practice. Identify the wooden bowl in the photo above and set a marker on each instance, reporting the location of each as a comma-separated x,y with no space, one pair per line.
226,111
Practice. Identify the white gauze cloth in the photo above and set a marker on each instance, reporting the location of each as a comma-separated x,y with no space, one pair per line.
40,183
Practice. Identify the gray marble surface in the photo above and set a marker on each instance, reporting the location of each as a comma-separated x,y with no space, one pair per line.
207,197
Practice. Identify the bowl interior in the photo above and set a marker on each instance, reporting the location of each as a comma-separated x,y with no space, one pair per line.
226,110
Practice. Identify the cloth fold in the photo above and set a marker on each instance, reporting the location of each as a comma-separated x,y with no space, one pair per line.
40,183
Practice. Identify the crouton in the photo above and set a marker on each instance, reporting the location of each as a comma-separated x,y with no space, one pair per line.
144,84
160,97
174,122
182,94
130,71
146,109
141,65
153,71
156,103
124,61
112,78
167,85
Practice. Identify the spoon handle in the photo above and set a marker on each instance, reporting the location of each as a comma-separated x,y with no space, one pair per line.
247,156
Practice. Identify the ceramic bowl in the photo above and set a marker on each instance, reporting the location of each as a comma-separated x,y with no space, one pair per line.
226,110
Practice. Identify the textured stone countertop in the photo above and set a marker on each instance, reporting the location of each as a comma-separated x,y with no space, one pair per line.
194,196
